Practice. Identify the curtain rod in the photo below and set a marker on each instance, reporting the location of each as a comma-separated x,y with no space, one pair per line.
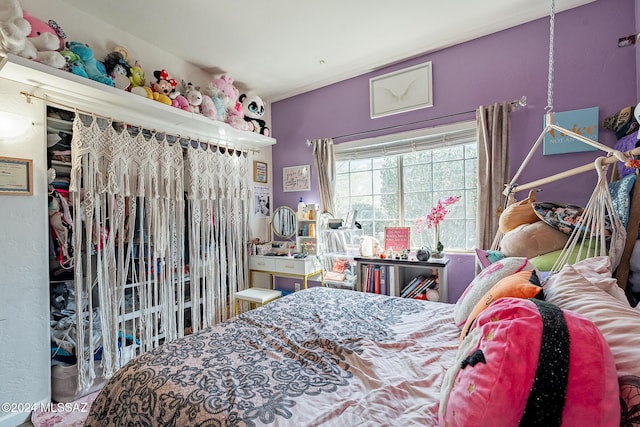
522,102
179,138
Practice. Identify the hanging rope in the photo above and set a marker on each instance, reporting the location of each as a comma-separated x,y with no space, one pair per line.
552,22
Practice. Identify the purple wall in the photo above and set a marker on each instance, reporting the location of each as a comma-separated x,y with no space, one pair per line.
590,71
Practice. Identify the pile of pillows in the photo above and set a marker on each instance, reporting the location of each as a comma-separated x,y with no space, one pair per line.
564,352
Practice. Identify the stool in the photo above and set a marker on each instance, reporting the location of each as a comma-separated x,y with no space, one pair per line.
259,296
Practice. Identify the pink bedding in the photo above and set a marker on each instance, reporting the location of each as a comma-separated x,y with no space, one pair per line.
319,357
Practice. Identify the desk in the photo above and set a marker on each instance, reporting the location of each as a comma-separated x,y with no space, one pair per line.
282,266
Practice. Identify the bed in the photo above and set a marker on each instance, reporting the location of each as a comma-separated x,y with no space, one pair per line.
320,356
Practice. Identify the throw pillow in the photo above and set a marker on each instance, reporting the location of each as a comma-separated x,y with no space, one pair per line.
531,240
620,191
524,284
558,215
518,213
527,362
576,289
484,281
546,261
488,257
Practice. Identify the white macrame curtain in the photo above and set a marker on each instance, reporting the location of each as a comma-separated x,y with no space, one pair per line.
128,191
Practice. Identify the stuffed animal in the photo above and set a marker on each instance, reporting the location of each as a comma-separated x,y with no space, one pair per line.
194,96
74,64
163,86
208,108
225,96
178,100
43,43
253,109
137,78
117,67
95,69
14,29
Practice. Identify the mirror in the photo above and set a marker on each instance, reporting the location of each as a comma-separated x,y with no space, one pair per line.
284,222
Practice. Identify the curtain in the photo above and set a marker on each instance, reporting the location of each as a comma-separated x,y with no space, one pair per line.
325,162
143,245
494,132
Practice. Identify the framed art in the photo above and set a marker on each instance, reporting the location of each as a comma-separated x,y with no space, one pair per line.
296,178
584,122
400,91
16,176
397,238
260,172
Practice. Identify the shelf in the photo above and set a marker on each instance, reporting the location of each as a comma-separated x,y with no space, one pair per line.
71,90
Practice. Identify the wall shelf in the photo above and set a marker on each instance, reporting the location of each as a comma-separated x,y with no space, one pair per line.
85,94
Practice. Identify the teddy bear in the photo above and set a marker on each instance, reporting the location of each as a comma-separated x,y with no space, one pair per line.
27,36
225,96
253,109
94,68
14,29
208,108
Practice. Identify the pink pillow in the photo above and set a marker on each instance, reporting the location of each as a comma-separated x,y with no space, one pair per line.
529,362
484,281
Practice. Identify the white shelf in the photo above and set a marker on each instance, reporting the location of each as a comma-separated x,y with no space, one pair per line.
85,94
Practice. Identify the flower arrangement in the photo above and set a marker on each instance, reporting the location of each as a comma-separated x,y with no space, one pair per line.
433,220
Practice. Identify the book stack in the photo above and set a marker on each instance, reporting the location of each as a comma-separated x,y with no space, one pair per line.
376,279
418,287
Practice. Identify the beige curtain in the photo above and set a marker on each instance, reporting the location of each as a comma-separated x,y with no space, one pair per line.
494,133
325,162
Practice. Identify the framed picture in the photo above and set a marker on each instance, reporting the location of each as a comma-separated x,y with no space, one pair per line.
397,238
260,172
584,122
350,220
16,176
399,91
296,178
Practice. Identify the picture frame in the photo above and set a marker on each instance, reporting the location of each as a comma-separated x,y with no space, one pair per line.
401,91
397,238
296,178
584,122
16,176
260,170
350,219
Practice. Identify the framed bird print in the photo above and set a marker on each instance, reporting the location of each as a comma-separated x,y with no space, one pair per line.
400,91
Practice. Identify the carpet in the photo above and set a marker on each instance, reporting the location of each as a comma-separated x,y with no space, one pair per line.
71,414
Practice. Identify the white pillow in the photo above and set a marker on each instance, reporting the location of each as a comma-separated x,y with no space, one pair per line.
579,288
484,281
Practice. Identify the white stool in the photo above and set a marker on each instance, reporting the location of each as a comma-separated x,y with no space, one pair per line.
259,296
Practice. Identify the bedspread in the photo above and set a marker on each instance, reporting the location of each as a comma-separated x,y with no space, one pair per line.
318,357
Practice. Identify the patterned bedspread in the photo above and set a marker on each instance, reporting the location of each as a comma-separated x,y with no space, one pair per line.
318,357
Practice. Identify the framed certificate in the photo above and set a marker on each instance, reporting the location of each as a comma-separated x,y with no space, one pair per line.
16,176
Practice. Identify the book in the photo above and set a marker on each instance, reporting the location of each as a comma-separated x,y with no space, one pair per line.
422,287
383,279
408,288
376,279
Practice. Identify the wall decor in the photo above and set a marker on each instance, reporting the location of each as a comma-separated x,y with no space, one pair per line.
296,178
260,172
403,90
397,238
261,201
583,122
16,176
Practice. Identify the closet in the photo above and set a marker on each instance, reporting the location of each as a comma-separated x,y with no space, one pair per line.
158,200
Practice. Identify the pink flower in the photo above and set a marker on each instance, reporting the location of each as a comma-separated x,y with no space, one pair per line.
437,213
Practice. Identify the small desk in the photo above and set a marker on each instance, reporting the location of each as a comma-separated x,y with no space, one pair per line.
283,266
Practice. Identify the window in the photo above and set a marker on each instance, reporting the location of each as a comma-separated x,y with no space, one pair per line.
392,181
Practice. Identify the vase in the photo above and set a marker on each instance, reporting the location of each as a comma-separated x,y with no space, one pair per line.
438,247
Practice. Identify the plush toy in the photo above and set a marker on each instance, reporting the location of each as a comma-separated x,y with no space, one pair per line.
95,69
43,43
137,78
178,100
208,108
225,96
14,29
117,67
74,64
253,109
162,87
194,96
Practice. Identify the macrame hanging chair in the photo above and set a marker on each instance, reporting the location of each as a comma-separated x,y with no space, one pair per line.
598,230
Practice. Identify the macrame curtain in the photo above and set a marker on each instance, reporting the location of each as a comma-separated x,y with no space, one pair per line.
494,132
143,245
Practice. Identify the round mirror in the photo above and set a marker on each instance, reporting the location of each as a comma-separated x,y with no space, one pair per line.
284,222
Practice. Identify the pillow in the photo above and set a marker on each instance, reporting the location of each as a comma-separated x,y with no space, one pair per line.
546,261
531,240
527,362
620,192
524,284
488,257
559,216
485,281
575,288
518,213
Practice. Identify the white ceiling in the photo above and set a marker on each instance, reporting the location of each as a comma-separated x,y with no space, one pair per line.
280,48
